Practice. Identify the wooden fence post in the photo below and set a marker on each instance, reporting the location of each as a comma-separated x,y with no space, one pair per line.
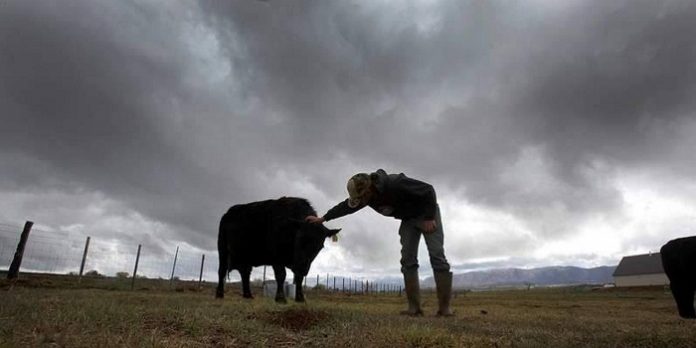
13,272
176,255
200,277
84,258
135,270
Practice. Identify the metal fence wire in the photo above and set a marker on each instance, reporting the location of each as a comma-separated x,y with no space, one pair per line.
61,252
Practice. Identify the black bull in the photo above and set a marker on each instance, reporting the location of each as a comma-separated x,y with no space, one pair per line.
271,232
679,263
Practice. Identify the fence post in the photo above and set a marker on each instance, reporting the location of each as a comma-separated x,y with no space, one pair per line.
327,281
176,255
135,270
13,272
84,258
317,286
263,282
343,287
200,277
334,286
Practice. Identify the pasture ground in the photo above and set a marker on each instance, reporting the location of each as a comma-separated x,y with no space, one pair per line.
57,312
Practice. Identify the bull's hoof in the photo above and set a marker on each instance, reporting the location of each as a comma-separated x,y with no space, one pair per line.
219,294
248,296
300,299
281,300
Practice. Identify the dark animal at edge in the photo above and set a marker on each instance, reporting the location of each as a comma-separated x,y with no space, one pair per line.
679,263
271,232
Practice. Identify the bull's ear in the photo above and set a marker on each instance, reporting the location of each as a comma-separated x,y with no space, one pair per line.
332,233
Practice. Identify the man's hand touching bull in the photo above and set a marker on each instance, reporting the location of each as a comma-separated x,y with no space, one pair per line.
314,220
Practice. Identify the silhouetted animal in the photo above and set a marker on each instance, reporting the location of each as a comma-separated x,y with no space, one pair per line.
271,232
679,263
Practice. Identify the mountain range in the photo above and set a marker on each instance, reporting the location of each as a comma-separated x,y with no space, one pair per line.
517,277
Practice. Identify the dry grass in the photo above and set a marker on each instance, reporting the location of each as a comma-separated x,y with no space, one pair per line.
570,317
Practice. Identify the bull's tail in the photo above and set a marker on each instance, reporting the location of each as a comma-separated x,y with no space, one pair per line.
224,257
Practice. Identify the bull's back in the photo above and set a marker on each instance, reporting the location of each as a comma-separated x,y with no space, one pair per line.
243,230
253,233
678,255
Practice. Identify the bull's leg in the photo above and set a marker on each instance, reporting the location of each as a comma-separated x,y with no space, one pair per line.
220,291
280,283
299,295
683,293
222,273
245,272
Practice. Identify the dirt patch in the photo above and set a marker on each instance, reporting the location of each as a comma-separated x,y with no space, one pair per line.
297,319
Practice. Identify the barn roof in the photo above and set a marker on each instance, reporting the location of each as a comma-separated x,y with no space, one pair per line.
639,264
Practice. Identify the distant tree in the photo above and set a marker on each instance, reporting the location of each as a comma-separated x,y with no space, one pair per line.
122,275
72,273
93,273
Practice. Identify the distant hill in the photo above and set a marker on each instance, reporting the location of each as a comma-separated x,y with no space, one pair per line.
516,277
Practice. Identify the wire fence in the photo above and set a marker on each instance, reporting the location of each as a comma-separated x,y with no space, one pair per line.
62,252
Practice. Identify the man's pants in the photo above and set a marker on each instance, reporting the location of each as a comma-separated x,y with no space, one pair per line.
410,232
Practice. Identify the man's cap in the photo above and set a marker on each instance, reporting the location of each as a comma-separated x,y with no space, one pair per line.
358,188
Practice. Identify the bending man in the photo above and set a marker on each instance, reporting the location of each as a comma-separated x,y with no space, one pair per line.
414,203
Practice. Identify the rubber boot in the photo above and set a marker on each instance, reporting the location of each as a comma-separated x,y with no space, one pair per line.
412,285
443,283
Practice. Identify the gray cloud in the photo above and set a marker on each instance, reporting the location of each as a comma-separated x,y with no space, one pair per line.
527,109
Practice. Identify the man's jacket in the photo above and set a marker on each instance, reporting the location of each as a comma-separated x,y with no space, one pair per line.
397,196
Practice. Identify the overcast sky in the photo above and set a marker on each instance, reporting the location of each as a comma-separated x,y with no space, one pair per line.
554,132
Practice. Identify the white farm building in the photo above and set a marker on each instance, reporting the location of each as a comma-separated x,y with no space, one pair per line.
640,270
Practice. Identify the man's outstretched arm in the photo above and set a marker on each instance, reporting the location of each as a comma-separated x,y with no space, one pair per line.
341,209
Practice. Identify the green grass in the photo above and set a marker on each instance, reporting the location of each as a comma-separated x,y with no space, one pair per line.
34,313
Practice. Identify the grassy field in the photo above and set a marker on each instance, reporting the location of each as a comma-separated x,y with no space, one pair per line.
57,312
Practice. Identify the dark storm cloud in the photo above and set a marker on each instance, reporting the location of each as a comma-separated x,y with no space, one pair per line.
177,112
585,83
86,92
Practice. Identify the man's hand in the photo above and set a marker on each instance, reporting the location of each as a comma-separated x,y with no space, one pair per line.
428,226
314,220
